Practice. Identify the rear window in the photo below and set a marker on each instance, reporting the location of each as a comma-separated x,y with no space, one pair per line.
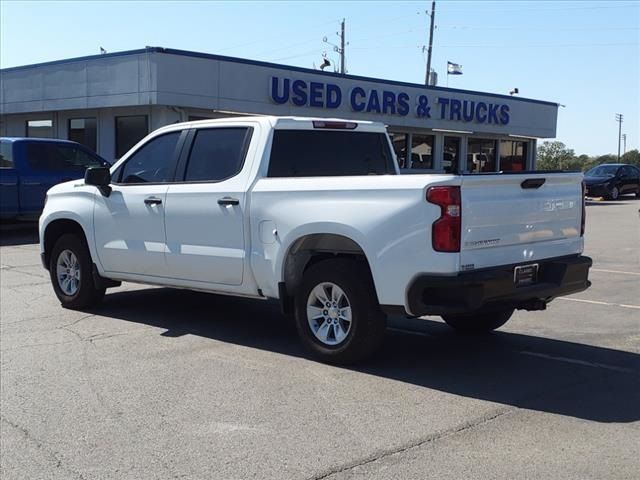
6,157
313,153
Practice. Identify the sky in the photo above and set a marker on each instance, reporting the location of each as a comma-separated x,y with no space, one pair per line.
583,55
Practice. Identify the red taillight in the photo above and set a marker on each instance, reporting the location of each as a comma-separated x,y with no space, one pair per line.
445,233
584,210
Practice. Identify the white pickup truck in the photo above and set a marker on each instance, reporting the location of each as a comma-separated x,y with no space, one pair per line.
314,213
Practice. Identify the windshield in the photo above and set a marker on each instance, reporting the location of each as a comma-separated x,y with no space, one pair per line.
602,171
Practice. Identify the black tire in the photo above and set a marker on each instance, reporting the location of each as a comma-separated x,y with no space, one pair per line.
368,322
479,322
86,294
614,194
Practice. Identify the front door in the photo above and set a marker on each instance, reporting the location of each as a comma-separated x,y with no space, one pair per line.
129,229
129,223
205,213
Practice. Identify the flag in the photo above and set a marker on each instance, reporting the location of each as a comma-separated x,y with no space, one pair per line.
454,69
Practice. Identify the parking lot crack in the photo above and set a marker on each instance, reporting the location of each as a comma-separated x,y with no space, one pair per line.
40,445
382,454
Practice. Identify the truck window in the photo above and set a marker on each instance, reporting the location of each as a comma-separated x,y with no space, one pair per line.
59,157
6,156
150,163
217,154
313,153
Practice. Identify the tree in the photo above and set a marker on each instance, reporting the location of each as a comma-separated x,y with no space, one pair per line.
556,156
632,157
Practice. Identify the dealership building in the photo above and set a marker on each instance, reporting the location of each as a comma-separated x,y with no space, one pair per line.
109,102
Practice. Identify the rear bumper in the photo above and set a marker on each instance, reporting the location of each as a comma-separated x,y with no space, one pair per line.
598,190
470,291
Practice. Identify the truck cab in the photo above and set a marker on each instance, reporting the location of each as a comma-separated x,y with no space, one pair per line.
31,166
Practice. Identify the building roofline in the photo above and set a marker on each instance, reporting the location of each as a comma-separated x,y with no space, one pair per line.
211,56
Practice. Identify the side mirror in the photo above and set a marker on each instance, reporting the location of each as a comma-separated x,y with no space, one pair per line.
99,177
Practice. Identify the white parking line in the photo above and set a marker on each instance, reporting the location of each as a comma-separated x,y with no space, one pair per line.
622,272
578,362
597,302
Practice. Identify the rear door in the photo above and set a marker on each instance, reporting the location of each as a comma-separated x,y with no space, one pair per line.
206,211
519,218
629,180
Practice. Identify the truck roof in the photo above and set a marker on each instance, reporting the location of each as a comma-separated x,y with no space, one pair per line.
35,139
292,122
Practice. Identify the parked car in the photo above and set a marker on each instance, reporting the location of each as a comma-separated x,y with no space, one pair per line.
314,213
610,180
31,166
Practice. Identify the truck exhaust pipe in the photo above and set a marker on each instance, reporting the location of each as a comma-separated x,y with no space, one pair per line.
533,305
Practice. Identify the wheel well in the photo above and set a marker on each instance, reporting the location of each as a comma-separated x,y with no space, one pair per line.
55,230
311,249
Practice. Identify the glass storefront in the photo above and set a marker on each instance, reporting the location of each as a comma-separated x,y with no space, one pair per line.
40,128
399,141
513,155
451,155
422,151
481,155
84,131
129,131
445,152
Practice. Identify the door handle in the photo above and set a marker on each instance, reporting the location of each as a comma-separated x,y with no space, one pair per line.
533,182
152,201
228,201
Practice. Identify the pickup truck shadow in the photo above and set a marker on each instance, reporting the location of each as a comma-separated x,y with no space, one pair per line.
524,371
17,233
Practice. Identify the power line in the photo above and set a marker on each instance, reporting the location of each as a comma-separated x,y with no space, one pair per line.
262,40
475,45
563,29
482,5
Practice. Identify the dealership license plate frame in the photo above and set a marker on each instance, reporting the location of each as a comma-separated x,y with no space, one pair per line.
525,275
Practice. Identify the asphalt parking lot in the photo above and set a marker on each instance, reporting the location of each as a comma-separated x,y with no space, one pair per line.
159,383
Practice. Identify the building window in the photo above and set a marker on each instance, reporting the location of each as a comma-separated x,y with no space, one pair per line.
513,155
84,131
481,155
129,131
422,151
399,141
451,154
40,128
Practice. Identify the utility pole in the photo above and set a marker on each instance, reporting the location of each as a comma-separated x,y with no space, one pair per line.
342,47
433,16
624,143
338,49
619,118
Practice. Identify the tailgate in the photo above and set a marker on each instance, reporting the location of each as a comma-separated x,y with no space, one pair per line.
515,218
